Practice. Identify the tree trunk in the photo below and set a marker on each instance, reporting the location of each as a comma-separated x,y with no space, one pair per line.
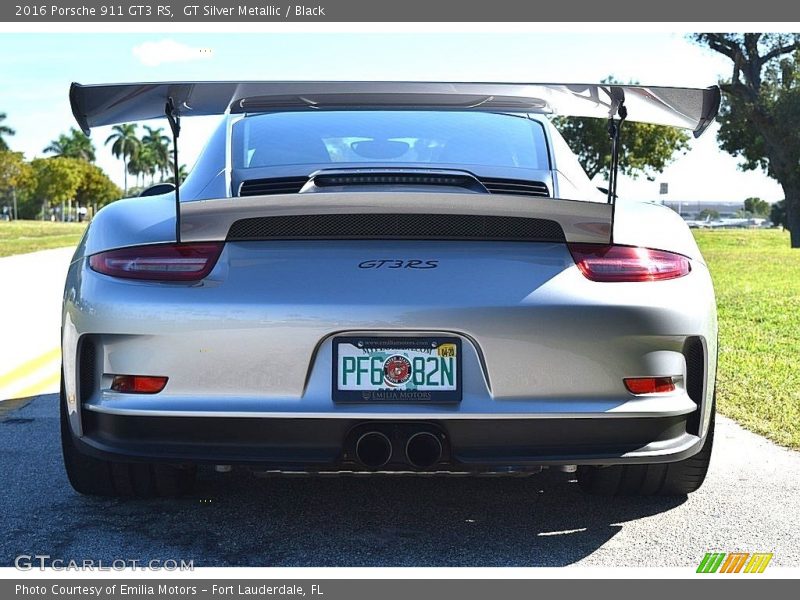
125,167
793,217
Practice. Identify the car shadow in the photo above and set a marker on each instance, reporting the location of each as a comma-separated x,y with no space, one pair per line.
238,519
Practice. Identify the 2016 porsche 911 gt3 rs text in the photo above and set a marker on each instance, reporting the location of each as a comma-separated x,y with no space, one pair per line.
388,277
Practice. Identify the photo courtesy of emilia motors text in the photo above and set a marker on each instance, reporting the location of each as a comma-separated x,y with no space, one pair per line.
354,299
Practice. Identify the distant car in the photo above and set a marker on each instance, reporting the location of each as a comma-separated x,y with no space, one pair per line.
388,277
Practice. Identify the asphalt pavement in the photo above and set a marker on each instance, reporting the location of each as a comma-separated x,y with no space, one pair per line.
30,321
749,503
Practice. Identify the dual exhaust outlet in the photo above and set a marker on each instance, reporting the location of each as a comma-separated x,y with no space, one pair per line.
374,449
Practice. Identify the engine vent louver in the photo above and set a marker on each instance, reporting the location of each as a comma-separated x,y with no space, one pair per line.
517,187
293,185
398,178
268,187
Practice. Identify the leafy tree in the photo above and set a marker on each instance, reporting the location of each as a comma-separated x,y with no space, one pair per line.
778,214
762,107
57,180
74,145
124,144
645,149
95,188
756,207
708,212
16,178
4,130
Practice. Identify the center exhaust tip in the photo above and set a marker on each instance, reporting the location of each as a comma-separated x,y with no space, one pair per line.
423,450
373,449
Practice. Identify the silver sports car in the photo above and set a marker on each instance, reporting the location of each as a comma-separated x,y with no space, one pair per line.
388,277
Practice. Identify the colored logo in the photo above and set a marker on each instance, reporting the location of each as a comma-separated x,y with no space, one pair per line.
734,562
397,370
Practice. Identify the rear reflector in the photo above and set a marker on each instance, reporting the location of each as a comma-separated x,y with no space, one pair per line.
649,385
161,262
627,263
138,384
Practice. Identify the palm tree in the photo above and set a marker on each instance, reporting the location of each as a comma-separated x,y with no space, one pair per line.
158,143
4,130
125,145
182,173
142,163
74,145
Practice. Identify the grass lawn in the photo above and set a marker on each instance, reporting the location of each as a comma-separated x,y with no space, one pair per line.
19,237
757,282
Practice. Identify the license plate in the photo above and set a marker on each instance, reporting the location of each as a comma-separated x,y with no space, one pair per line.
385,370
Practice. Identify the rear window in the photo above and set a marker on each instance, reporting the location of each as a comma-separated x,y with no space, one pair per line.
380,137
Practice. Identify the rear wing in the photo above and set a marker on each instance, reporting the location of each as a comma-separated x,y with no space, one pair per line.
109,104
687,108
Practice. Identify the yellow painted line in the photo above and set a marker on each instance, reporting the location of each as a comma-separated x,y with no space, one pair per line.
41,386
29,367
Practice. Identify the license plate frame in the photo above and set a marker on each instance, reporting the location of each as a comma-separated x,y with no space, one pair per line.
398,344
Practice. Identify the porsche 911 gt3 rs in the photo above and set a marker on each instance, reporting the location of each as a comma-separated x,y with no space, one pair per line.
388,277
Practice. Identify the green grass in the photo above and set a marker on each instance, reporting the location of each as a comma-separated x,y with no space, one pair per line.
19,237
757,281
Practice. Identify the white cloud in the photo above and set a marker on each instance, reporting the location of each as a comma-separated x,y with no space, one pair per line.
152,54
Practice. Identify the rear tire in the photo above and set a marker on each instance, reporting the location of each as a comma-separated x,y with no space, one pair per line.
666,479
97,477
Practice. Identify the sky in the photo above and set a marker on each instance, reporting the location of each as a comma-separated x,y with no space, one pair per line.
37,69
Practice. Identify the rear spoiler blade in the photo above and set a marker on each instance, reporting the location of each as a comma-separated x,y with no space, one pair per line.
109,104
220,219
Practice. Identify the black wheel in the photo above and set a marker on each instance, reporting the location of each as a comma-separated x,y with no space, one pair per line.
95,477
667,479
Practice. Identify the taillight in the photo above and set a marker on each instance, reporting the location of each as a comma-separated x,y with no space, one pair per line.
627,263
649,385
138,384
161,262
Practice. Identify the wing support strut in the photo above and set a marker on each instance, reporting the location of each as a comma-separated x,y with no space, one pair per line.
175,126
614,132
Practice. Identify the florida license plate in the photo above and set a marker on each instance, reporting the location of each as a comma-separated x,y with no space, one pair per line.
385,370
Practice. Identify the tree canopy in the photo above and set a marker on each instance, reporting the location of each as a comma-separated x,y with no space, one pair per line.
756,207
72,145
761,107
5,130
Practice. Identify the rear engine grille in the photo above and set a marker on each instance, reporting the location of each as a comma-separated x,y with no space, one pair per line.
87,359
517,187
267,187
396,227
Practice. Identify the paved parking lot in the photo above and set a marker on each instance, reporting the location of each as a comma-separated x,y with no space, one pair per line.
749,503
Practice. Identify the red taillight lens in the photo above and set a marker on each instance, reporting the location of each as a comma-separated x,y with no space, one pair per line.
627,263
138,384
649,385
162,262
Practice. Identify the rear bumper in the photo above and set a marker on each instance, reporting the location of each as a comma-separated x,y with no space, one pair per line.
328,444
